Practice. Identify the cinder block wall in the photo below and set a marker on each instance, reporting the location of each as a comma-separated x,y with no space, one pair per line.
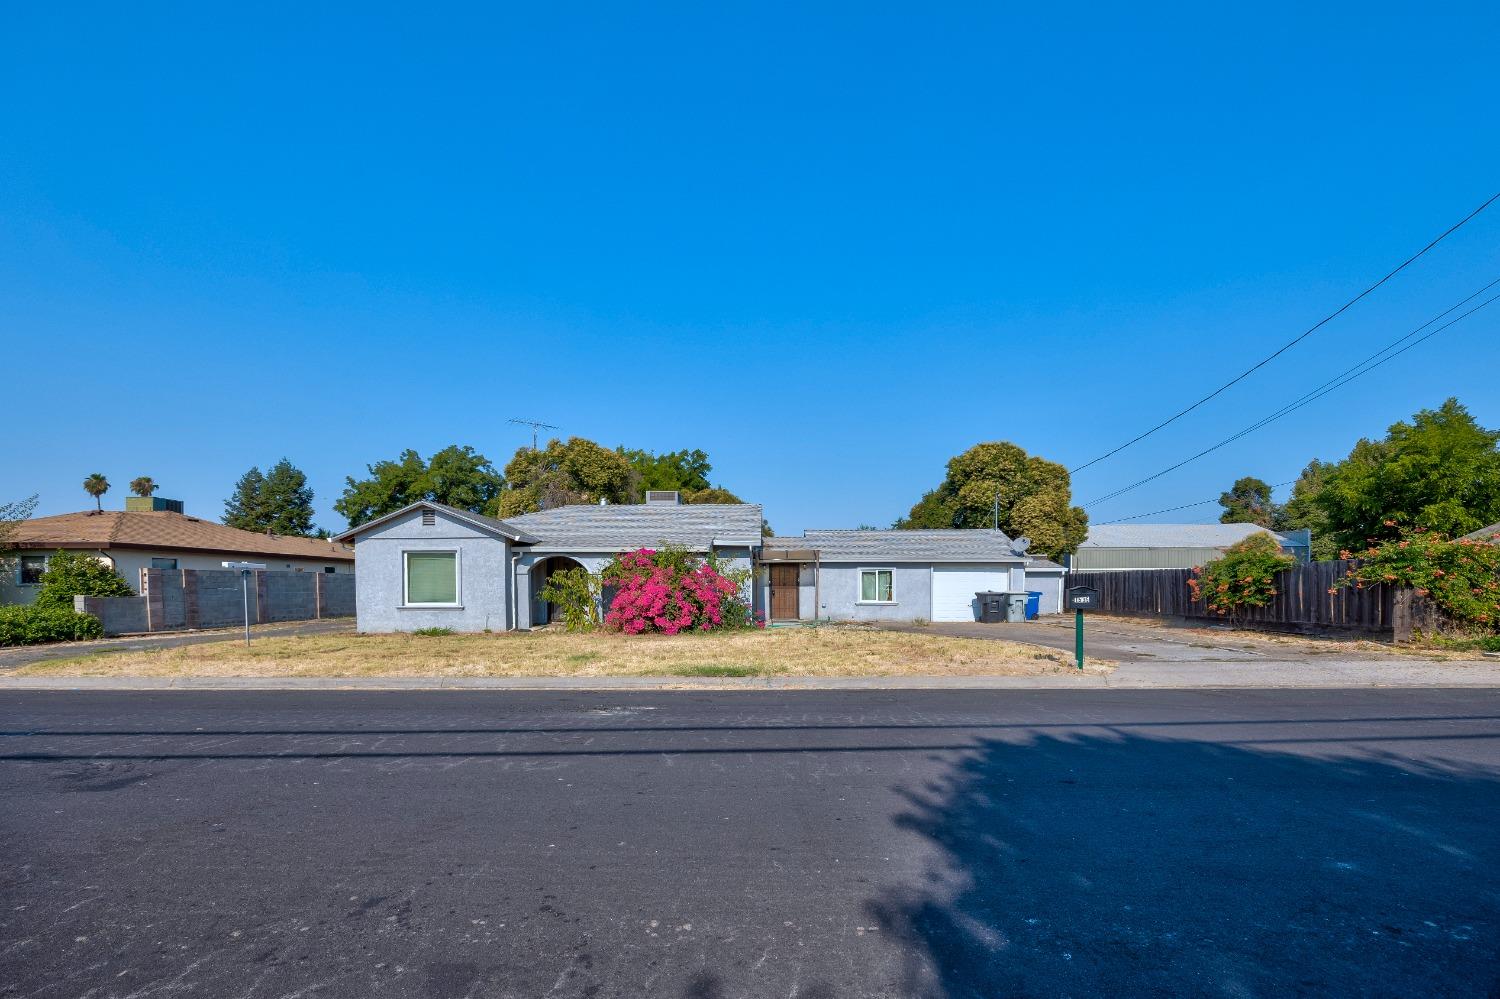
175,599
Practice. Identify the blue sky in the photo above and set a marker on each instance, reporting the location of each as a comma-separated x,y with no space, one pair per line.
827,245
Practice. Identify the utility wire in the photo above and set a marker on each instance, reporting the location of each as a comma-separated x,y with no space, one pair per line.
1362,368
1185,506
1294,341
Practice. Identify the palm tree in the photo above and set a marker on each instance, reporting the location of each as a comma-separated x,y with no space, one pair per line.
96,486
143,486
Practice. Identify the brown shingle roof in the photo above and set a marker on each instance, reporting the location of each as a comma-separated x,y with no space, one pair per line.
162,530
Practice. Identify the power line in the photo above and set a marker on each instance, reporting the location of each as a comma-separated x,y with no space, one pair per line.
1294,341
1362,368
1185,506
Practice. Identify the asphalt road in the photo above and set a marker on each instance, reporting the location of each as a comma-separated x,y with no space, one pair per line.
712,845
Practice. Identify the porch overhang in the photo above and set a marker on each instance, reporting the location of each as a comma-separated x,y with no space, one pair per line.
769,554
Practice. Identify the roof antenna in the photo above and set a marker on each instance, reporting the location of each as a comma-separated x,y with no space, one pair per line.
535,425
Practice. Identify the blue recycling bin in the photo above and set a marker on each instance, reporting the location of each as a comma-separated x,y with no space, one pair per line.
1033,604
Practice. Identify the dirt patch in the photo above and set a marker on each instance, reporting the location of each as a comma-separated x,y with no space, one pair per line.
832,650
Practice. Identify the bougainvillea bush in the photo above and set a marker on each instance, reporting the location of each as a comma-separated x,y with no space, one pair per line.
671,591
1244,577
1462,577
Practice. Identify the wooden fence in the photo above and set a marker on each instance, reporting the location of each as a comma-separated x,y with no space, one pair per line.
1302,601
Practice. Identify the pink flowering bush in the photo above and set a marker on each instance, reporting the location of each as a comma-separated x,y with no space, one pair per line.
672,591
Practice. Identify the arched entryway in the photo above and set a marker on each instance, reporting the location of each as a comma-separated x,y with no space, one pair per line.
541,611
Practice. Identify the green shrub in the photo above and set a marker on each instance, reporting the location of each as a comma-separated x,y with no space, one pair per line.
1462,577
575,592
32,625
71,574
432,632
1244,577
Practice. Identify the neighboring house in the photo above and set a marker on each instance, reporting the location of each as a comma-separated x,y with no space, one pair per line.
429,565
1172,546
132,540
1491,533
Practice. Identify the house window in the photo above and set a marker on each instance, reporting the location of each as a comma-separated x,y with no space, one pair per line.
432,579
164,563
31,569
329,568
876,586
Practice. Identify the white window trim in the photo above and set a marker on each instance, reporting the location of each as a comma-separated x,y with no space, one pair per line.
859,586
458,578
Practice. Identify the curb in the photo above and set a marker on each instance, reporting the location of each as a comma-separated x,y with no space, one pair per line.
1091,682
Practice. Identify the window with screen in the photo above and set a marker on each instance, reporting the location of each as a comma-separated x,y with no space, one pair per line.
432,578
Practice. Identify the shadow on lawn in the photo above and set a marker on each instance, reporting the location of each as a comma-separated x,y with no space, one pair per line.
1136,866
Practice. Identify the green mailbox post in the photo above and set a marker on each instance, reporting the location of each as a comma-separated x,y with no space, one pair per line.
1081,598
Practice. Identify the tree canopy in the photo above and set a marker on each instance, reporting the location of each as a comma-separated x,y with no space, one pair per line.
143,485
457,476
1248,501
565,472
279,501
1035,498
1440,472
96,485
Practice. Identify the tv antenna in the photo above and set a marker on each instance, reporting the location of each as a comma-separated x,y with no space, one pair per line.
535,425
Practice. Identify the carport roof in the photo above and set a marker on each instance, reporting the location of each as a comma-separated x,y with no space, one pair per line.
904,546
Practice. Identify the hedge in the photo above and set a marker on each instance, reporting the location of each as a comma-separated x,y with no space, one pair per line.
24,625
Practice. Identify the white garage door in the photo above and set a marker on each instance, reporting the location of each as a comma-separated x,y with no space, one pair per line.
954,586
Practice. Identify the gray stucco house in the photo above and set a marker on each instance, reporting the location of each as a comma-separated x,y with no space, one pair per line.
430,565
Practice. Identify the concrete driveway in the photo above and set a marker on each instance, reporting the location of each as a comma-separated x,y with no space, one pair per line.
1160,654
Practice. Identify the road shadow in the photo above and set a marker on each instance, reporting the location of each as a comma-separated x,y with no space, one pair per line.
1138,866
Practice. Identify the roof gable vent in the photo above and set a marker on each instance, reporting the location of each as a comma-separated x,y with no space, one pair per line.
429,517
662,497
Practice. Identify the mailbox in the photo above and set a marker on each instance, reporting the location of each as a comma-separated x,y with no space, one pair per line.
1082,598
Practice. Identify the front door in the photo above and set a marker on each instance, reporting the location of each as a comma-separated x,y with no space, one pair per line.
784,591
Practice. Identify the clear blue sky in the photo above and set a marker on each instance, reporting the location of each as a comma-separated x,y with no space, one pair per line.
827,246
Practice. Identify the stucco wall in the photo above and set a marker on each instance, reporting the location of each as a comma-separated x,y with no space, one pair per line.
1050,585
911,585
483,576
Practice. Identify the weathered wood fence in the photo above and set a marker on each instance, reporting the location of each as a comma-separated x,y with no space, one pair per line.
1302,601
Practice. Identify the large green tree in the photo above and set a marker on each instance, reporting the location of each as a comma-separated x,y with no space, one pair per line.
1303,512
1248,501
457,476
1033,495
1439,471
565,472
280,501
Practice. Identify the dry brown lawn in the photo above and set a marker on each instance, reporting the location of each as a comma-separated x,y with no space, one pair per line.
831,650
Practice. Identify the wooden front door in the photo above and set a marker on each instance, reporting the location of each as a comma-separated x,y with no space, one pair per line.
783,591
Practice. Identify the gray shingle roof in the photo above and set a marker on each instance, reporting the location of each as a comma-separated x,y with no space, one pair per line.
1037,562
620,528
501,527
904,546
1169,535
1485,534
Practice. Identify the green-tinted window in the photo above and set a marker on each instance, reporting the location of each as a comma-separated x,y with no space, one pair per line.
431,577
876,584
